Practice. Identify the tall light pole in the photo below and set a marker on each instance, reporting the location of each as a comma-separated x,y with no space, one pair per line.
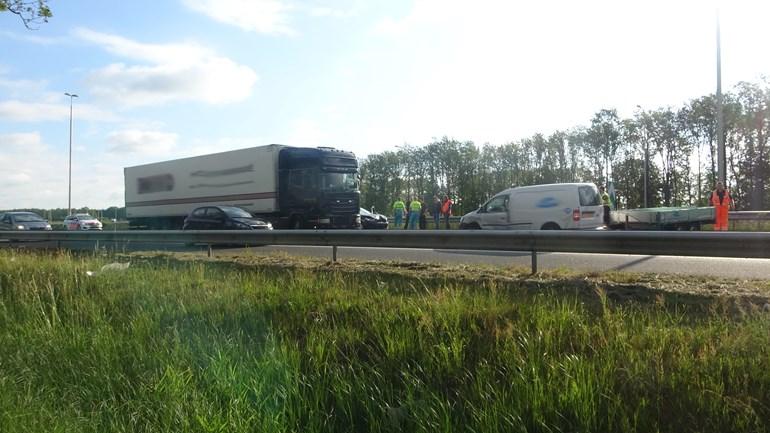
69,179
721,155
646,158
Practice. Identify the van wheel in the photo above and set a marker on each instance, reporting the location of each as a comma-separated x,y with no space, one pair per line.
471,226
550,226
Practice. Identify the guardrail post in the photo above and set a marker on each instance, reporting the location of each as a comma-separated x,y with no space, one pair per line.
96,246
334,253
210,251
534,262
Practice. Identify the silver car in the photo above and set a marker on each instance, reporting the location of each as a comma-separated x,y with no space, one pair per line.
82,221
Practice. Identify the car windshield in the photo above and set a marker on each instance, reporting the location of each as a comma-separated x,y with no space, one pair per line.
234,212
84,216
365,212
339,182
27,218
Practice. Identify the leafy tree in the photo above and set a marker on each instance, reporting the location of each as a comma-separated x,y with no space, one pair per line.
31,12
678,143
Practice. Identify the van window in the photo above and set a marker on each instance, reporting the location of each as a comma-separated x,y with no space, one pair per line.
497,204
589,196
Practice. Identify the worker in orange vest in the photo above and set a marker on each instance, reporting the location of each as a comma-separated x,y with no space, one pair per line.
722,202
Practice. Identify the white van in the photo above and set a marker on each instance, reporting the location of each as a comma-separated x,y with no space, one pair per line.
540,207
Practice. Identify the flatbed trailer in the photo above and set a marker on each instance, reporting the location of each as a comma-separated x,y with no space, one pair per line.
662,218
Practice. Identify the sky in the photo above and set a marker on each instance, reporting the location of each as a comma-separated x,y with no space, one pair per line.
159,80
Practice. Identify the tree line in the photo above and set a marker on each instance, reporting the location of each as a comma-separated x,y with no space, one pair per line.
678,143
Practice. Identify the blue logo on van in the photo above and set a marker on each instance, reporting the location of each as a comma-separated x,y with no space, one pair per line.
547,202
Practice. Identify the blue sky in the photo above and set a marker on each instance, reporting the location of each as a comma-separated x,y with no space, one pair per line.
160,80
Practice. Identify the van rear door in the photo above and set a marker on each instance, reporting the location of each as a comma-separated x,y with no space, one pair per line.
591,211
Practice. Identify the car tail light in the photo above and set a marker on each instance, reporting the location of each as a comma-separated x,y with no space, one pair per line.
576,215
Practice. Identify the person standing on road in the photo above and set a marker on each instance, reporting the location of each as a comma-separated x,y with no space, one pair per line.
446,210
423,215
436,211
398,211
414,213
722,202
605,204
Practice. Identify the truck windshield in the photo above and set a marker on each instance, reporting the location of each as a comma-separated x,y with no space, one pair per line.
339,182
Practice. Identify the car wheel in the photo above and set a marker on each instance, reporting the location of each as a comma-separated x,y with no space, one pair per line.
471,226
550,226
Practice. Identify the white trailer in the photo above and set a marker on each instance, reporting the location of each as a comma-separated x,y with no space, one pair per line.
276,182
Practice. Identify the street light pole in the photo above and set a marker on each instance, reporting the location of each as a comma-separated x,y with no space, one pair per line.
721,155
69,179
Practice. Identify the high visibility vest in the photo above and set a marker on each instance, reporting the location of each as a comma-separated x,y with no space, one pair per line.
605,199
415,206
726,199
446,207
399,205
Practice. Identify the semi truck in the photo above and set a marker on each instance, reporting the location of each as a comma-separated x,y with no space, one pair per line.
291,187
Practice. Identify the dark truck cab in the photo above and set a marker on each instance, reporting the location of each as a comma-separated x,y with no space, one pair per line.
318,188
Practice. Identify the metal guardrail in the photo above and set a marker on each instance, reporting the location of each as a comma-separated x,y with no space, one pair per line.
703,244
760,215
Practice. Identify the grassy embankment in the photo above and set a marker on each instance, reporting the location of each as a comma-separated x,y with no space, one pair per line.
203,346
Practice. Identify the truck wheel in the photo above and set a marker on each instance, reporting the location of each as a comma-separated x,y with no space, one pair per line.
550,226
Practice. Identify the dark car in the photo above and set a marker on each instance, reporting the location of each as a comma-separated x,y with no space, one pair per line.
223,218
371,220
23,221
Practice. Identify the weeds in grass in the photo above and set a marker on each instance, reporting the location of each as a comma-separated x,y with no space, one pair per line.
194,346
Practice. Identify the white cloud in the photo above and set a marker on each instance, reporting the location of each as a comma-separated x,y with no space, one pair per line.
133,141
176,72
21,111
34,176
199,146
16,88
31,38
493,70
26,141
259,16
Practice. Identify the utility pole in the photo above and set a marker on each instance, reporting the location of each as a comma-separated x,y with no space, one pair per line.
69,179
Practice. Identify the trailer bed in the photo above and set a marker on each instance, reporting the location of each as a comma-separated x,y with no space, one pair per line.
662,218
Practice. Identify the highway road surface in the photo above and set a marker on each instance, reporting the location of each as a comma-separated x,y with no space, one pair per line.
701,266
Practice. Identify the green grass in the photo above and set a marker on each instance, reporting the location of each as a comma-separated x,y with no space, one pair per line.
210,347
